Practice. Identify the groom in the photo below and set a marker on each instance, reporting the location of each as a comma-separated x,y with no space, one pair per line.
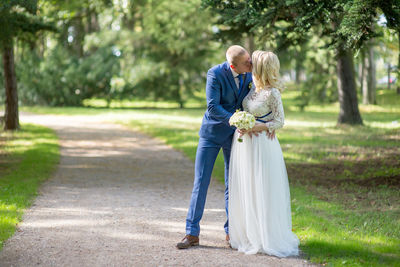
227,85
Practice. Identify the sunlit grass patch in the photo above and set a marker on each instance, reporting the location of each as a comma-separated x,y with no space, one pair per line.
31,155
331,234
388,98
196,102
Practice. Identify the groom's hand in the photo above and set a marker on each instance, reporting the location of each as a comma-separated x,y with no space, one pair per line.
242,132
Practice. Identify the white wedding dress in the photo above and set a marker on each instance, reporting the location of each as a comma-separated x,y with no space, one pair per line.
259,197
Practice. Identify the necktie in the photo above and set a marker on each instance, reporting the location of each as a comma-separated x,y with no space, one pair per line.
240,76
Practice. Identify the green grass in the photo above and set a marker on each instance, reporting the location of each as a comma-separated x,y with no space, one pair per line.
197,102
344,180
27,158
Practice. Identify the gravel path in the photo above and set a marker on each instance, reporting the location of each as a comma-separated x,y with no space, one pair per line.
119,198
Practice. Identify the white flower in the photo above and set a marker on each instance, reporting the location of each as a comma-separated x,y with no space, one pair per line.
242,120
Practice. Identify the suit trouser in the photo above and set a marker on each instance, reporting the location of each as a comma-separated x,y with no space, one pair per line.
207,152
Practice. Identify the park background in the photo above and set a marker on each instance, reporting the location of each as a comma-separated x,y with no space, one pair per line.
144,63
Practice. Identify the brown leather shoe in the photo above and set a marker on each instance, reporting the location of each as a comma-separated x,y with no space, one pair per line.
227,241
188,241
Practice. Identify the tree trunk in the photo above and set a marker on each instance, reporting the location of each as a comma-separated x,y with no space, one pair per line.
92,24
360,71
249,43
179,93
349,113
398,66
128,18
363,78
11,117
299,63
371,80
299,68
42,45
79,35
388,75
364,84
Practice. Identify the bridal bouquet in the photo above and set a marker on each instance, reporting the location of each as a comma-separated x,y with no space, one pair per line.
242,120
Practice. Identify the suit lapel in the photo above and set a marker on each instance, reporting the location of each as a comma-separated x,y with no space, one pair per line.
231,79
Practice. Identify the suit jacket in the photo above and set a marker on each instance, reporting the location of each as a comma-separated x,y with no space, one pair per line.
223,99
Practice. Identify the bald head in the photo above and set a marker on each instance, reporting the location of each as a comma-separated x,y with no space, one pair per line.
238,58
233,53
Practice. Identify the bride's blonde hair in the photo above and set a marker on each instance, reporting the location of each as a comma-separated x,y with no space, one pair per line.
266,70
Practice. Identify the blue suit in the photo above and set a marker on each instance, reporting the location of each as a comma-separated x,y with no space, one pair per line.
223,99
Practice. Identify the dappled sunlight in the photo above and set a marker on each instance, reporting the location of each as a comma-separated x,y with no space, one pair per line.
126,235
9,214
110,146
309,124
52,223
392,137
81,166
8,207
105,228
208,228
377,240
331,108
188,144
168,226
140,103
157,116
296,157
205,210
372,108
84,152
22,145
384,125
72,210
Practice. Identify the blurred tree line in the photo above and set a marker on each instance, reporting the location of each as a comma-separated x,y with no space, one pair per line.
62,52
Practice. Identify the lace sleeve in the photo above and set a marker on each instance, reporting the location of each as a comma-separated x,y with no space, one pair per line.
278,115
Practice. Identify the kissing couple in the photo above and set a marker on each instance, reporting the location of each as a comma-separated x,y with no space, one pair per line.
257,196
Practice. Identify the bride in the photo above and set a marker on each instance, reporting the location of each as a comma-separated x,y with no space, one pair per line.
259,197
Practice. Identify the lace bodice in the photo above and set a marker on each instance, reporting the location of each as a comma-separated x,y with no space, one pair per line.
263,102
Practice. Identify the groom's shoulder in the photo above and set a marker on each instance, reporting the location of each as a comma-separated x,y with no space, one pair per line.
217,69
250,75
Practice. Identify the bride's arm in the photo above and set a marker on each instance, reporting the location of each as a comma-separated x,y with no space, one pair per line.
278,115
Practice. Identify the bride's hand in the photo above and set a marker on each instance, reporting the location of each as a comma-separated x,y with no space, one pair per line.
242,131
258,128
271,135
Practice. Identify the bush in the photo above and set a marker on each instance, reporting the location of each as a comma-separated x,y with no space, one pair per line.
62,79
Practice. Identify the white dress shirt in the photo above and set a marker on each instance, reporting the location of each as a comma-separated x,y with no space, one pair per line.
235,77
